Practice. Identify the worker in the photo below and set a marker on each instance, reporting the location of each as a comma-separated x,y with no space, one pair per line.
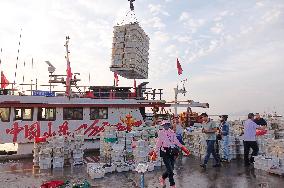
177,126
210,129
224,132
168,147
259,120
250,128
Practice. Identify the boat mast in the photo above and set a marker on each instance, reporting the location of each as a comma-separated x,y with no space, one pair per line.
177,91
68,70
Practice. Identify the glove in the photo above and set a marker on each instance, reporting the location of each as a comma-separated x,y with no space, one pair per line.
153,156
185,150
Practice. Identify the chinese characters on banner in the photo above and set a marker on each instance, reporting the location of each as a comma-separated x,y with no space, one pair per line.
29,132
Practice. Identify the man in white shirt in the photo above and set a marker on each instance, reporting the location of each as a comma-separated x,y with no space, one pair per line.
250,139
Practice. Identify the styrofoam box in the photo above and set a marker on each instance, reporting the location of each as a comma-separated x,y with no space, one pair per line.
110,169
123,168
78,155
58,165
58,159
97,175
151,167
44,166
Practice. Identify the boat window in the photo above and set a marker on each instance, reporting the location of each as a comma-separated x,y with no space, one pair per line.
25,114
46,114
5,114
72,113
98,113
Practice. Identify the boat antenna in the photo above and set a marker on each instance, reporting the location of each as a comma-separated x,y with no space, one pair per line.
0,57
19,45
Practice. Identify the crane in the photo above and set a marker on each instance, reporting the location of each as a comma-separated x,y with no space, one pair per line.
51,68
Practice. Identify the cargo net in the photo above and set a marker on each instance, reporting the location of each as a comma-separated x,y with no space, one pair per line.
130,48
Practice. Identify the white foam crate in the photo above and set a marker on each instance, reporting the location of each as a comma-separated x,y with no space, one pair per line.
97,175
151,167
124,168
57,164
44,165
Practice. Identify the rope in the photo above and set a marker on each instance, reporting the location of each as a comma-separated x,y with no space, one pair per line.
132,15
78,88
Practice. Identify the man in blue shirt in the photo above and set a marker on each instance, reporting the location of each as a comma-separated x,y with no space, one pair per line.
224,126
250,139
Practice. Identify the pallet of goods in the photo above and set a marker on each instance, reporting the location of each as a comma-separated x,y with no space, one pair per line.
130,54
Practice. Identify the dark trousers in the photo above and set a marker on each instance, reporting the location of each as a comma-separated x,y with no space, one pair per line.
247,146
211,150
169,161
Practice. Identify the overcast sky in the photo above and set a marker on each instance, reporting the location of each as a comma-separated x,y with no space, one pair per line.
232,52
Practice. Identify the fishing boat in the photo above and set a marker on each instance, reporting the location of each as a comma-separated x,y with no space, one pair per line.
49,113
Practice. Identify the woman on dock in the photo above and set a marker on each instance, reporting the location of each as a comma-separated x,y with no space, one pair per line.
168,146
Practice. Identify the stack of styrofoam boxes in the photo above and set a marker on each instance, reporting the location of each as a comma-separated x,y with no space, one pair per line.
37,148
107,140
263,140
141,152
130,51
67,151
78,150
273,157
117,154
95,170
198,140
128,147
58,152
45,157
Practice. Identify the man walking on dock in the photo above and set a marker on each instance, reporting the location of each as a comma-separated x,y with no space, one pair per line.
210,129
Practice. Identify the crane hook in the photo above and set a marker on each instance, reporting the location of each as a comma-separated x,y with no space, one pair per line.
131,5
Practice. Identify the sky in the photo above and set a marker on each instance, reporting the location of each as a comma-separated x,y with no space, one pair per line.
231,52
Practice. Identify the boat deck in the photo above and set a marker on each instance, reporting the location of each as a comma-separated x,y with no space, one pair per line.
188,174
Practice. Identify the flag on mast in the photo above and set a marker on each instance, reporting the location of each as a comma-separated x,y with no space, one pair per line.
179,69
115,75
4,81
68,78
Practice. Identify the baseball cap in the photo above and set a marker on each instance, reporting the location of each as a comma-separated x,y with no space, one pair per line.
165,122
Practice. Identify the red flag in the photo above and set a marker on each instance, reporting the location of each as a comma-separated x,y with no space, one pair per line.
115,79
4,81
179,67
68,78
